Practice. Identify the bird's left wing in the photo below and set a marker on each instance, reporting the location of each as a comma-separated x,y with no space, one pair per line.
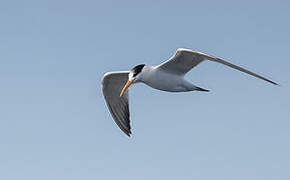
112,85
185,59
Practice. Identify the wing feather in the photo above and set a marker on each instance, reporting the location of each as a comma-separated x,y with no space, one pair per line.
112,85
185,59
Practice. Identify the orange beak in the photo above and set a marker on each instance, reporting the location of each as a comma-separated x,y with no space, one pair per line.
127,85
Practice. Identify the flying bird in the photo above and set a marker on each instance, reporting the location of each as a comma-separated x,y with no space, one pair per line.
168,76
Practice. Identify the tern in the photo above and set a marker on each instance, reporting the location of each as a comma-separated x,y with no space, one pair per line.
168,76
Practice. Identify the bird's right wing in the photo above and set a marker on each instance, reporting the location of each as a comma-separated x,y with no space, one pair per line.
112,85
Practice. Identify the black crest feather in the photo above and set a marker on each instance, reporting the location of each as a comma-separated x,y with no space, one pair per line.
137,69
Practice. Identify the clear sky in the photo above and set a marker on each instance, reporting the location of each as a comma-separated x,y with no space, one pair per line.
54,123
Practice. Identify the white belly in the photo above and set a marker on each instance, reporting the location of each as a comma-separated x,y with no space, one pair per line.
167,82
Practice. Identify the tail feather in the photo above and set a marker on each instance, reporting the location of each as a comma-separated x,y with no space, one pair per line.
201,89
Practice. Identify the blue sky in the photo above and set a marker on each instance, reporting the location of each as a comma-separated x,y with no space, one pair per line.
54,123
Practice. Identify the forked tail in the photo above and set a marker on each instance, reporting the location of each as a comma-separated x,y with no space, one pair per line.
200,89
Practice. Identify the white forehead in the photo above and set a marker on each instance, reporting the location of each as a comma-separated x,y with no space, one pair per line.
130,75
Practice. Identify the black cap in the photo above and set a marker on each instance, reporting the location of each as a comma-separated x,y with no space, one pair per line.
137,69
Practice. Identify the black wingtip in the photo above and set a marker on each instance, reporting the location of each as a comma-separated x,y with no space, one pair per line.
272,82
276,84
128,133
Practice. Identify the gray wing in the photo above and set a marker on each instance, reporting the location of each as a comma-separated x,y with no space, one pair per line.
185,59
113,83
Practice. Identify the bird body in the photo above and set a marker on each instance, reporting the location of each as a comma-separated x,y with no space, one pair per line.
162,80
168,76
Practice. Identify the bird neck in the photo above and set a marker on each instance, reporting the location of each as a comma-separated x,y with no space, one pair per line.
146,73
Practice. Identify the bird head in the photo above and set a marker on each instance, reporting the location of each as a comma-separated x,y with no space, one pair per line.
133,77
